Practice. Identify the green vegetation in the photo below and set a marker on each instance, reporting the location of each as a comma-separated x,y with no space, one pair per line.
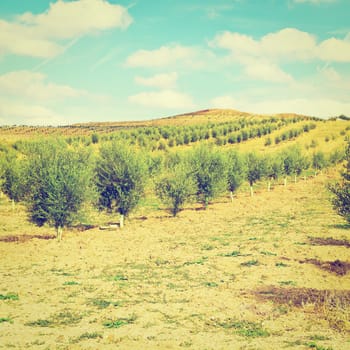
9,296
58,180
121,176
245,328
176,187
120,322
207,166
341,191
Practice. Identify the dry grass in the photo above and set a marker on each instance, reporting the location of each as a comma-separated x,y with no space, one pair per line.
186,282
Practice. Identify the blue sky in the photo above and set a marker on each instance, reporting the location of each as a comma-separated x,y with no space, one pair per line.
64,62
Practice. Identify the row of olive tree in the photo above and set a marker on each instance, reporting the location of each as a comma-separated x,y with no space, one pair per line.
55,179
205,173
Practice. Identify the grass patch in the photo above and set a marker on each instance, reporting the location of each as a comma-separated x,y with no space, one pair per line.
281,264
9,296
196,262
120,278
5,319
287,283
211,284
120,322
63,318
250,263
207,247
245,328
268,253
70,283
40,323
234,254
87,335
103,304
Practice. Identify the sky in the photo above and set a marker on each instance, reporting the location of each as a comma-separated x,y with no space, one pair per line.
65,62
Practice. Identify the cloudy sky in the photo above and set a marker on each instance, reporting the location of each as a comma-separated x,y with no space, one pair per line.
64,62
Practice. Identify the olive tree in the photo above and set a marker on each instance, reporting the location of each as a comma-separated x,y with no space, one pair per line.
209,173
175,187
319,161
120,178
294,163
59,182
12,183
255,169
236,171
273,168
341,190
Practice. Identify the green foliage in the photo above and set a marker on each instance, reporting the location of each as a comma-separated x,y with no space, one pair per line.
245,328
319,161
273,166
341,190
209,172
120,178
120,322
255,168
59,181
5,319
236,170
12,174
9,296
294,161
175,188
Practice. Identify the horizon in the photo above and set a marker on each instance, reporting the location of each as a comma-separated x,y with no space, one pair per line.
83,61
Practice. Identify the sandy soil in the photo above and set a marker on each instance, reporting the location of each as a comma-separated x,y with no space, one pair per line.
186,282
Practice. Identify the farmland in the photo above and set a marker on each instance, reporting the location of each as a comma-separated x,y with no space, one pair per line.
267,271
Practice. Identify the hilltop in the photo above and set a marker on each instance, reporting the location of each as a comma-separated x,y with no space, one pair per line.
196,118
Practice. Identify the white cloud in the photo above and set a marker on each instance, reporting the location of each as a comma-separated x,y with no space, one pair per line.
40,35
266,71
29,98
225,102
164,81
335,50
163,99
164,56
288,44
16,112
30,85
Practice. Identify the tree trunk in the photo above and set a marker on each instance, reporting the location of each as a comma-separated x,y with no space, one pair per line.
59,230
13,204
251,191
285,181
269,186
295,179
231,195
121,221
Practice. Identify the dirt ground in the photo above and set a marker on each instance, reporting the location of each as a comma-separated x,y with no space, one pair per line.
236,276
